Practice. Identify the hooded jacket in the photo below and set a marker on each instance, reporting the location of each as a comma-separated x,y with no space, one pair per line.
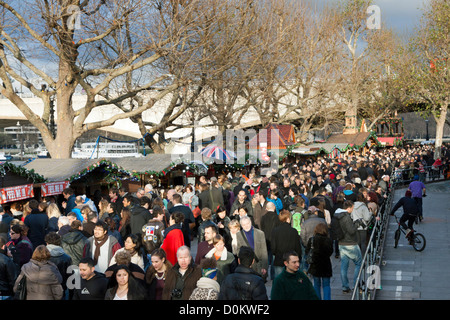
348,227
62,260
361,211
43,280
139,217
73,244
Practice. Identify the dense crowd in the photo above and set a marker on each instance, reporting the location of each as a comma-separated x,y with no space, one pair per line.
244,229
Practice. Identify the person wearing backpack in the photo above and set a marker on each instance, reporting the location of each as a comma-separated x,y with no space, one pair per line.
345,230
298,214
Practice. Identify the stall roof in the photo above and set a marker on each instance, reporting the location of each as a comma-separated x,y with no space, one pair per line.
63,169
315,148
284,137
59,169
355,139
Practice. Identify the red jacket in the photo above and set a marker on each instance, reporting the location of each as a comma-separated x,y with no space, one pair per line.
172,241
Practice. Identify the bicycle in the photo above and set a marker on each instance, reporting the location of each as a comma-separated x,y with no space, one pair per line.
416,239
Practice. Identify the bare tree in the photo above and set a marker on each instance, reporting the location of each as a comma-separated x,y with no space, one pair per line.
233,66
115,51
363,62
294,80
425,66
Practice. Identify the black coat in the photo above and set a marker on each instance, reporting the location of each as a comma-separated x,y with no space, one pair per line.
268,223
38,223
8,274
139,217
323,249
243,284
284,239
188,218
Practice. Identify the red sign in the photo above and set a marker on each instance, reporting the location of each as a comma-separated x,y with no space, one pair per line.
52,188
16,193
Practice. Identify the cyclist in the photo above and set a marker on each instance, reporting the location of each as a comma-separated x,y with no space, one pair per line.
410,212
418,191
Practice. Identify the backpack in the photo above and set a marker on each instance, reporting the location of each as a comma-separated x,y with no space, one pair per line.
336,229
297,220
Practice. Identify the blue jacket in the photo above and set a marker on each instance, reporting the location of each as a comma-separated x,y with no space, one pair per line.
278,204
70,204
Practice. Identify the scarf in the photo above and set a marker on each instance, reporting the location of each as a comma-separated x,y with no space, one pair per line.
250,238
172,227
98,244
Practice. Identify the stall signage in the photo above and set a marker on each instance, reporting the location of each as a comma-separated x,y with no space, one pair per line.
53,188
16,193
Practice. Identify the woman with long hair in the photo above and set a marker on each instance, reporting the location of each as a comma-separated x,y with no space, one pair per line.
53,214
125,226
155,275
123,286
321,268
173,237
103,209
223,257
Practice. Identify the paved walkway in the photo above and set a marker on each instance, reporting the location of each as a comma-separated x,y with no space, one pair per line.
407,274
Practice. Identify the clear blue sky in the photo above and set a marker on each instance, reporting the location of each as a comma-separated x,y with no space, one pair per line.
401,15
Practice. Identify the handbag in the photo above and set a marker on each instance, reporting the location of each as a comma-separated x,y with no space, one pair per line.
21,292
309,259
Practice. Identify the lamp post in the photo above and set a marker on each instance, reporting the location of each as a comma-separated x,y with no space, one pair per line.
22,146
427,136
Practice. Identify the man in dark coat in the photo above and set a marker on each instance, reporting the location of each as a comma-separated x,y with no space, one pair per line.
69,204
284,239
244,283
268,223
73,242
189,219
139,215
37,223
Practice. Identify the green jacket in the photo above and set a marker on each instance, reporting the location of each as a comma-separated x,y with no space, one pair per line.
292,286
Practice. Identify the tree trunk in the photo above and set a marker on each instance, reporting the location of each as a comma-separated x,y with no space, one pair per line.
440,123
65,134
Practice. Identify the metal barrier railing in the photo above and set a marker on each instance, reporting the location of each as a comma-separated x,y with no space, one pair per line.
364,288
403,176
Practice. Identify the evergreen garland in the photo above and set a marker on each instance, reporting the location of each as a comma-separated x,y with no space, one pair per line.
21,171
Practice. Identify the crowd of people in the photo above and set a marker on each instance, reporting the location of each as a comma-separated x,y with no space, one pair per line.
243,227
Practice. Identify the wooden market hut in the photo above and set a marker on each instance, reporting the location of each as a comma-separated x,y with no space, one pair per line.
273,137
18,183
